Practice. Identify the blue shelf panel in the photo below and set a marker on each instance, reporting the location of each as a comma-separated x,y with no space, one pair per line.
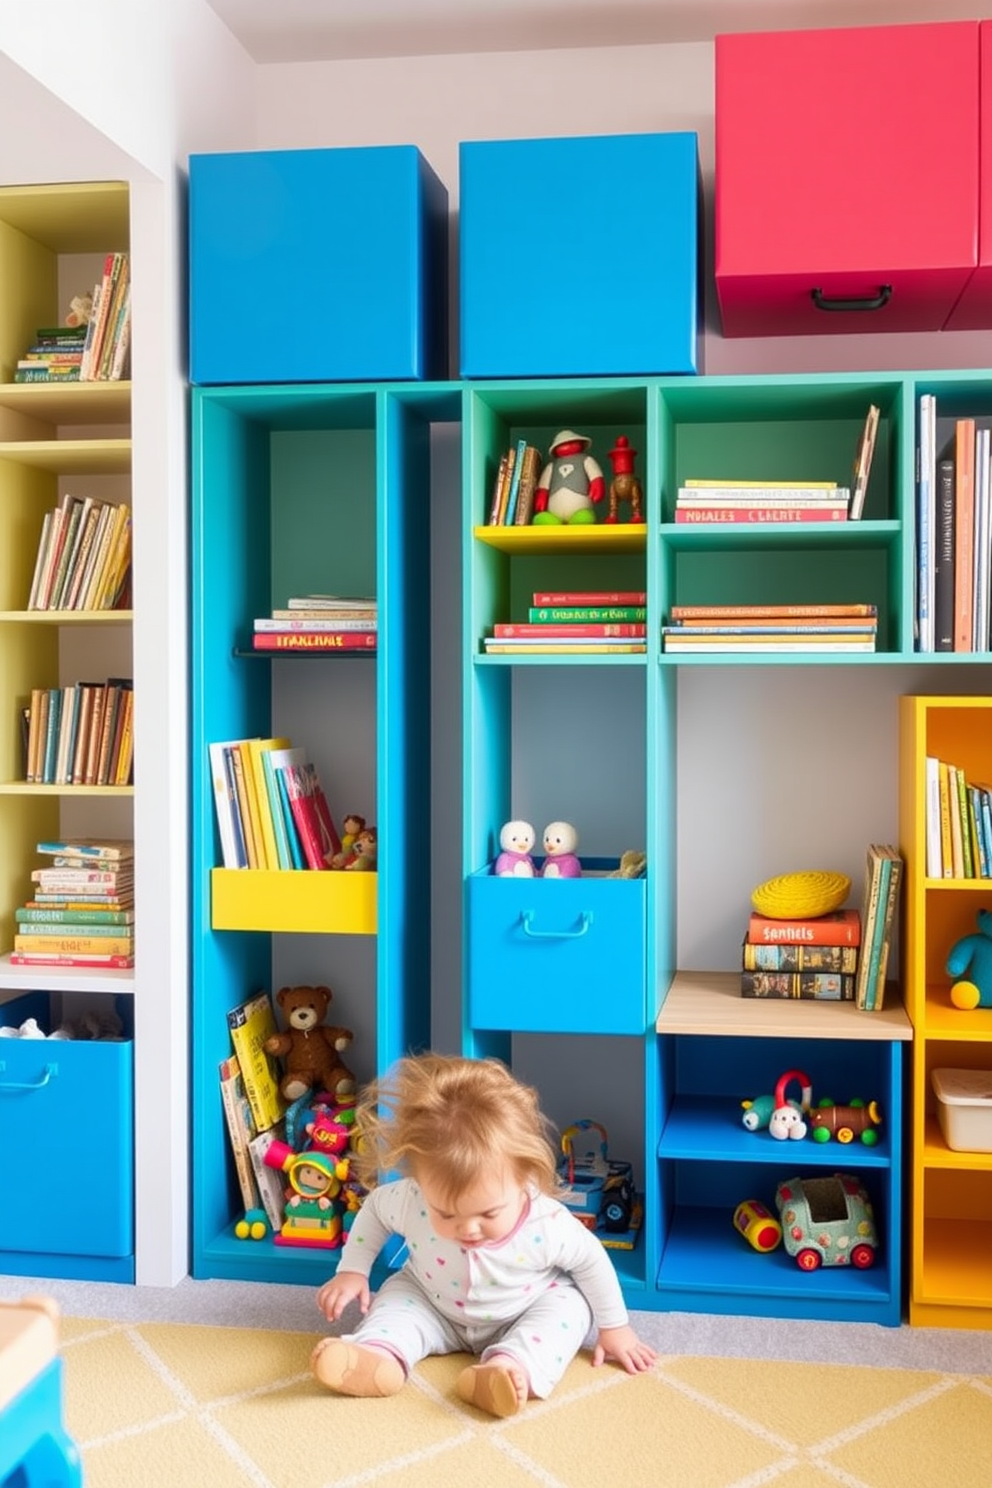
709,1129
707,1266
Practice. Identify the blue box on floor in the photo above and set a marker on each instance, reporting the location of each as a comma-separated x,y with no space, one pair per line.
317,266
579,257
67,1164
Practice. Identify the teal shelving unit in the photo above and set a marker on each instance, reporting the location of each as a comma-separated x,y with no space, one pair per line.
679,1057
297,490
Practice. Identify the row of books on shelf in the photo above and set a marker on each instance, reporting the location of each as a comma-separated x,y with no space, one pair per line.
958,823
97,349
761,629
270,806
954,527
81,908
761,503
84,556
319,622
512,503
80,734
575,622
842,956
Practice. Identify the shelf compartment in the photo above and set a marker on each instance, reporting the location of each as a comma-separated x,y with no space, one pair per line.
290,900
68,403
957,1266
708,1267
70,456
709,1129
937,1154
542,954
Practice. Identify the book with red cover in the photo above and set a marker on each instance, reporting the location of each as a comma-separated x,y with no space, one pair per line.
841,927
715,613
590,597
762,516
311,813
547,631
110,963
315,640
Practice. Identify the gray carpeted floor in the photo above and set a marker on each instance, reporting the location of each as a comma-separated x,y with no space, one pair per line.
262,1305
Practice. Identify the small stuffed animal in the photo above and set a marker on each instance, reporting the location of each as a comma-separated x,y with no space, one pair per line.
310,1048
972,952
364,851
560,841
516,839
352,826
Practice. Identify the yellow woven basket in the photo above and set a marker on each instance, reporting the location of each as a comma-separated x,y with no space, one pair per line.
794,896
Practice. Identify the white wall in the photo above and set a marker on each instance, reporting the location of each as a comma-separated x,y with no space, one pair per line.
122,89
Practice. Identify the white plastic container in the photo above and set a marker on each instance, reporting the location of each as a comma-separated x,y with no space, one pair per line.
964,1108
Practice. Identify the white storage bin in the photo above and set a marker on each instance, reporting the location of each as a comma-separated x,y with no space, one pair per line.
964,1107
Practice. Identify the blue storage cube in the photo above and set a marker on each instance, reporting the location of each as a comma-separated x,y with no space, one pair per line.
563,955
579,257
67,1162
317,266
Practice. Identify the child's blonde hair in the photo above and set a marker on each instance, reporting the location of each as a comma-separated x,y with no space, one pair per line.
455,1117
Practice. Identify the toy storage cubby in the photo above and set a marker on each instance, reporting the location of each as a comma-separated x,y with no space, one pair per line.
717,1050
951,1191
754,428
57,438
300,490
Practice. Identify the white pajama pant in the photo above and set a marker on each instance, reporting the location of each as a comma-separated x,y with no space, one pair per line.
544,1339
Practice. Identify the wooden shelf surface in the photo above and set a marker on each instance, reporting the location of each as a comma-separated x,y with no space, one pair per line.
710,1003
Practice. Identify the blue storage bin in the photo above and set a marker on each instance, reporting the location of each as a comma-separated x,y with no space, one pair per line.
557,955
579,257
67,1158
317,266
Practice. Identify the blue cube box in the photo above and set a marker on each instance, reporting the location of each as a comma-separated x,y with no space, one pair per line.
579,257
317,266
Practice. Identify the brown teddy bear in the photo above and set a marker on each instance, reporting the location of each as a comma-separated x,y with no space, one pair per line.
310,1048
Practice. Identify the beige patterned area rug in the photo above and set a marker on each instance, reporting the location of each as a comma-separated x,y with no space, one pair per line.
167,1405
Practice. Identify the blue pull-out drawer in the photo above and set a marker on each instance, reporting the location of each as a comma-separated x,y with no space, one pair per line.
66,1142
557,955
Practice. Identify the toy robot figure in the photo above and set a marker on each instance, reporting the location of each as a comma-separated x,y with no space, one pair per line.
625,485
570,485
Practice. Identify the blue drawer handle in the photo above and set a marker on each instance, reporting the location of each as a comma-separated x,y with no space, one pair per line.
50,1070
526,919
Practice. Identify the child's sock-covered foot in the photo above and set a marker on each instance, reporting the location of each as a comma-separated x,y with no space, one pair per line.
350,1369
492,1388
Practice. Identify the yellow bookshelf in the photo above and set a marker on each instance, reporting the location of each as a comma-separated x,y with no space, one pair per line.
950,1192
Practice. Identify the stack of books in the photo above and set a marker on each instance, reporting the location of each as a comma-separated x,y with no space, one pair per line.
578,622
81,734
81,912
820,629
516,480
84,556
270,805
814,959
761,503
54,355
883,879
320,622
958,823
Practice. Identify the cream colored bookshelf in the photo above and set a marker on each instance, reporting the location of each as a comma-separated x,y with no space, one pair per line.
951,1192
54,439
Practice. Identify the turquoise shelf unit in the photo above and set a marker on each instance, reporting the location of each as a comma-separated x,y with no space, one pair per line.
593,740
301,490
